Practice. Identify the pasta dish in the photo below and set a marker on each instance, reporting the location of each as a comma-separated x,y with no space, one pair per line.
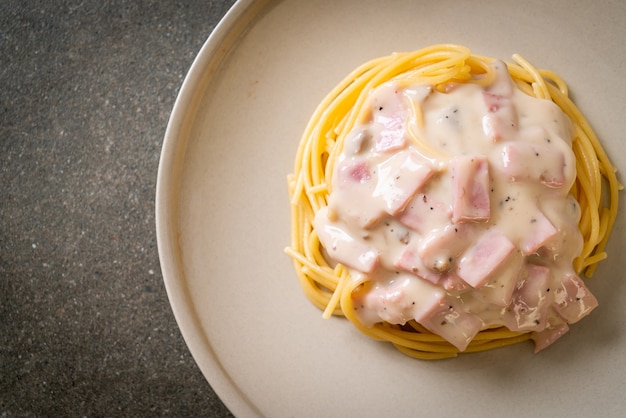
448,203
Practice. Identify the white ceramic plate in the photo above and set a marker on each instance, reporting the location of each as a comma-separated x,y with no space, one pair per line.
223,215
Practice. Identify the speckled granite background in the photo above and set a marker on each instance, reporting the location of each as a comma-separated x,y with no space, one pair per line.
86,88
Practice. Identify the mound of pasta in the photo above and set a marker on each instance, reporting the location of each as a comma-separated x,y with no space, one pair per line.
450,203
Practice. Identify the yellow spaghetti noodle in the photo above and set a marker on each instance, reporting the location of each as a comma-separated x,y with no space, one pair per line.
331,288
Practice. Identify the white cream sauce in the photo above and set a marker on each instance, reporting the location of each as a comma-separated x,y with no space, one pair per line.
474,228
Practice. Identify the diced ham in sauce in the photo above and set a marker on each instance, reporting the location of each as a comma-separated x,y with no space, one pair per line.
399,178
531,301
470,188
484,239
481,259
500,119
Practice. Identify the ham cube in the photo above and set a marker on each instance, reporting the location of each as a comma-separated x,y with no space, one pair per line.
491,250
342,247
500,120
393,135
471,186
440,249
530,303
498,289
390,303
353,171
423,211
404,299
546,337
523,161
399,178
452,323
423,297
355,182
453,283
540,230
411,262
390,113
572,299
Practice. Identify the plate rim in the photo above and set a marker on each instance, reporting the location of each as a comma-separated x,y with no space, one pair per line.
206,63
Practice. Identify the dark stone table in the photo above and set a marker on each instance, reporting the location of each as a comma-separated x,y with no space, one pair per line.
86,89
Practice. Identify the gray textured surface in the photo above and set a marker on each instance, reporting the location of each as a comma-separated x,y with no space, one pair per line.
86,91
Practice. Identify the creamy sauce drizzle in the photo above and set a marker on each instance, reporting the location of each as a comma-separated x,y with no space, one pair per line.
455,206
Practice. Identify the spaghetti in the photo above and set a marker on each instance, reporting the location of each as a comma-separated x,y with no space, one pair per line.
334,287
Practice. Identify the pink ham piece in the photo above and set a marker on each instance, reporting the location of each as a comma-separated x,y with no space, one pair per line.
530,303
453,283
404,299
540,230
353,171
453,324
523,161
471,186
545,338
391,117
491,250
422,211
356,182
342,247
393,136
572,300
500,120
399,178
440,249
498,289
411,262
